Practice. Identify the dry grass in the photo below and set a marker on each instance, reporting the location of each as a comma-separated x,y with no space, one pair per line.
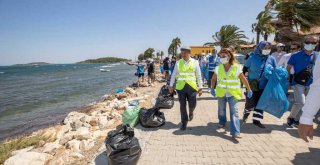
37,140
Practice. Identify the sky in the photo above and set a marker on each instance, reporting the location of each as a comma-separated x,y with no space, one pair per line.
68,31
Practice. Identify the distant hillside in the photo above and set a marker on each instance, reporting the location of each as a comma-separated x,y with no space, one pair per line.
103,60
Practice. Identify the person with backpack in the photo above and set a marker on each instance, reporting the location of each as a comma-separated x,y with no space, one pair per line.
229,76
303,64
255,67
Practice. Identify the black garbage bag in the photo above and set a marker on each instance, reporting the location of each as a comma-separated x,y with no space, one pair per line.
165,102
151,118
122,147
164,91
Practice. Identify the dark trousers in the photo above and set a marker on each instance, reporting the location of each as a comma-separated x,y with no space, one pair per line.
251,104
187,94
209,79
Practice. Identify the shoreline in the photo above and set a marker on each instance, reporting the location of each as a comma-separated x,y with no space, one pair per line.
85,128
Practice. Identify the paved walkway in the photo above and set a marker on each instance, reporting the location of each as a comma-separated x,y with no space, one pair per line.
201,143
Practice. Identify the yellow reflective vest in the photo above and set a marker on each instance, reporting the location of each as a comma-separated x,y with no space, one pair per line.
230,82
187,74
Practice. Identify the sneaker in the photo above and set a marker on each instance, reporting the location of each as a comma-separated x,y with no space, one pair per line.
290,122
296,124
259,124
183,127
236,136
220,126
245,117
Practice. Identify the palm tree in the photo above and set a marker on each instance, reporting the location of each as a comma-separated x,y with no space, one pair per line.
263,26
173,48
229,35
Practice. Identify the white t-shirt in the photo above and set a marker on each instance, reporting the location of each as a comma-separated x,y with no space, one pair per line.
278,56
239,71
284,61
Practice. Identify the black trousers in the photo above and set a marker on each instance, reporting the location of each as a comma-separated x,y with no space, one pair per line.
209,80
187,94
251,104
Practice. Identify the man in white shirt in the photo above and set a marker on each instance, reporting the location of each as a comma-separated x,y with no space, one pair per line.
295,47
311,106
189,83
279,53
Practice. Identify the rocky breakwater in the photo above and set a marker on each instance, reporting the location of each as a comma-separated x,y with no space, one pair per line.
81,134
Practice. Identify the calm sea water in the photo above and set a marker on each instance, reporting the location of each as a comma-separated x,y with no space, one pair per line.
33,97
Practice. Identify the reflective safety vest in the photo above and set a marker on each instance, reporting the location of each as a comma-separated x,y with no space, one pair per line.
230,82
186,75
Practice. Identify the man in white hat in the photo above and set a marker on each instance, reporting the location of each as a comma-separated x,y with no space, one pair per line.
202,63
279,53
189,84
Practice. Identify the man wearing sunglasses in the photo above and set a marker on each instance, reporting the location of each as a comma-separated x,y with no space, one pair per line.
303,64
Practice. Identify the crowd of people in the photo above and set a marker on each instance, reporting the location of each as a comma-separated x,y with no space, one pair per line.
225,75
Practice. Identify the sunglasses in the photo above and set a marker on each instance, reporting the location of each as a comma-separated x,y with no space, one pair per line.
309,42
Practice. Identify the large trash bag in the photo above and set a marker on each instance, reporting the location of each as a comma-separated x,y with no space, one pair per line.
164,102
151,118
131,115
122,147
274,99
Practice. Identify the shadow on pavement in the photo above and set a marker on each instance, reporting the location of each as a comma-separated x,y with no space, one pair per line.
307,158
209,130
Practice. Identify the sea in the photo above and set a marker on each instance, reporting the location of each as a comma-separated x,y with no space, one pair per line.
37,96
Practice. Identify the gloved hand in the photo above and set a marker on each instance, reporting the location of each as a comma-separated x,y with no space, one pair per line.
213,92
249,94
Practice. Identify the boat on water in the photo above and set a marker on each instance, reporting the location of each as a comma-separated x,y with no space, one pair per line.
104,70
131,63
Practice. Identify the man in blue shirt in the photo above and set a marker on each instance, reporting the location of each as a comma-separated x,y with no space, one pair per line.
140,71
300,61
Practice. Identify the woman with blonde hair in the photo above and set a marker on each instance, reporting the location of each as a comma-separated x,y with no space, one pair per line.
227,78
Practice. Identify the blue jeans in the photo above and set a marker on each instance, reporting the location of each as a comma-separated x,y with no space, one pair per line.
234,117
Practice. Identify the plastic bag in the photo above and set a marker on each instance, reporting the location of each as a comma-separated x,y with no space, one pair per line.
131,116
164,102
274,99
151,118
122,146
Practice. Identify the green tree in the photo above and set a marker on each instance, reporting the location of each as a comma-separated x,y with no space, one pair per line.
173,48
148,53
141,57
161,54
263,26
229,35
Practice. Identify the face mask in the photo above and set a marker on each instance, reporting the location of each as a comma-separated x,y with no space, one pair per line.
309,47
266,52
224,60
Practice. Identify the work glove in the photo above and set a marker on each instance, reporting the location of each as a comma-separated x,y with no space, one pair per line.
249,94
213,92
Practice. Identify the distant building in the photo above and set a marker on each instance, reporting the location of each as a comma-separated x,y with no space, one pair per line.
197,50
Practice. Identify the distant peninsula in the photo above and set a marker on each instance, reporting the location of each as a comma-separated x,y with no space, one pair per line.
103,60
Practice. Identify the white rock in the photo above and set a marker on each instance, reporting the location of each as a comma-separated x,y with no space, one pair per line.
28,158
58,161
72,116
73,145
100,133
63,130
49,148
86,144
75,124
22,150
130,90
103,121
76,155
66,138
82,133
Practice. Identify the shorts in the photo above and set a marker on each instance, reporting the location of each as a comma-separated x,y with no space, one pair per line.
140,74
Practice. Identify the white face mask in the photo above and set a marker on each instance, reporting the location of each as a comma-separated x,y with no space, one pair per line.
224,60
266,51
309,47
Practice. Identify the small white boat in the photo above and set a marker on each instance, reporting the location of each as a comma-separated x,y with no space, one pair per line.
104,70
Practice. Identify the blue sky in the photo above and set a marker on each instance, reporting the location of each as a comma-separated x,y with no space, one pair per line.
67,31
